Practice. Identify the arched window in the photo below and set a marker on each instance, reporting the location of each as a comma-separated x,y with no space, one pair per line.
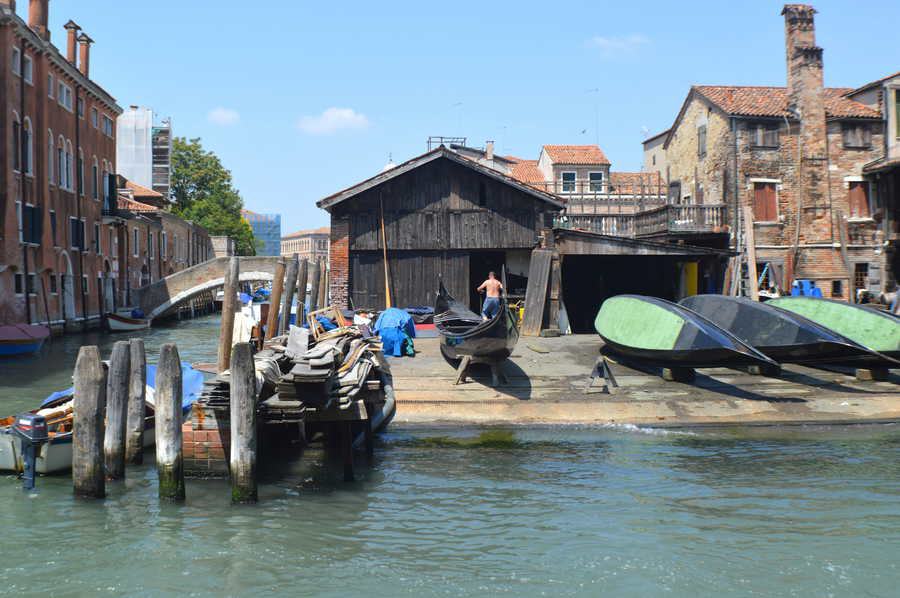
16,143
70,167
27,147
95,175
50,148
61,162
105,180
81,171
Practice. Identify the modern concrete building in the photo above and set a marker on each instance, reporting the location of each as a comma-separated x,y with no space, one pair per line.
266,230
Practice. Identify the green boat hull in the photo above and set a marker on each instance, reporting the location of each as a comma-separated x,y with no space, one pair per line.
663,334
874,330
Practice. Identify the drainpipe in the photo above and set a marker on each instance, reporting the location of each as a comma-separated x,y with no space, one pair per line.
22,174
78,185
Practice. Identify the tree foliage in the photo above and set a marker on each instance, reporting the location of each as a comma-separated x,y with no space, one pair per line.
203,192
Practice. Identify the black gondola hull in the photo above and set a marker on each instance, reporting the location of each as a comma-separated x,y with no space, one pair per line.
464,334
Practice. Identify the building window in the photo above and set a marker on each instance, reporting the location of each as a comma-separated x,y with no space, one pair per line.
837,288
49,86
857,135
84,284
64,96
859,199
76,233
97,247
568,182
860,279
61,163
764,135
70,166
27,147
17,61
596,181
107,126
163,252
136,242
897,113
150,245
19,284
29,70
701,141
53,285
81,107
17,144
50,148
81,172
765,205
94,179
53,227
31,283
94,118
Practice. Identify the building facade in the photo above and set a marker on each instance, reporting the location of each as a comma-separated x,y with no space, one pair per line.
792,159
57,159
266,231
309,244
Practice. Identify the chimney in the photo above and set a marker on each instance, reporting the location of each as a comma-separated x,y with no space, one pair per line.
72,30
10,4
489,150
37,18
85,58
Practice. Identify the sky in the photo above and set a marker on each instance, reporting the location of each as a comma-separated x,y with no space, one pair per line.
302,99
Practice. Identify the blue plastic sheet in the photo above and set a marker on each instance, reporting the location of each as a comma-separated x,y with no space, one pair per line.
396,329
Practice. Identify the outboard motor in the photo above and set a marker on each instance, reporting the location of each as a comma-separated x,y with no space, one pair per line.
32,432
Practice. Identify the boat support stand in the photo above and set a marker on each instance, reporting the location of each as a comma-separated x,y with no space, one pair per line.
498,376
602,370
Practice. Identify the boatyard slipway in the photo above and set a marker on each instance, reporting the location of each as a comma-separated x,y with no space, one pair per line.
547,378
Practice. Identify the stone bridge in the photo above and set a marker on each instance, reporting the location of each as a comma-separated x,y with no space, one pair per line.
157,298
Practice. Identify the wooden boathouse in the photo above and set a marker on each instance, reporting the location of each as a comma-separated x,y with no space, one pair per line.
443,215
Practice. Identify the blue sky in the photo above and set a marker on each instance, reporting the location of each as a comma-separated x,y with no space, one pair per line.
301,99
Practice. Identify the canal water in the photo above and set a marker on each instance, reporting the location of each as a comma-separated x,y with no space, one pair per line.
476,512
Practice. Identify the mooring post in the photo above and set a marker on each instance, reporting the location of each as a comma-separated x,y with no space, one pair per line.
169,457
137,410
314,285
290,283
242,458
302,277
117,409
232,277
347,449
89,404
275,300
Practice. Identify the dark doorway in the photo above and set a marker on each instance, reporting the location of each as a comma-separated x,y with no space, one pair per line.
588,280
480,263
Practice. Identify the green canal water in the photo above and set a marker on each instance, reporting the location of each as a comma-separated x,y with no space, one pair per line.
474,512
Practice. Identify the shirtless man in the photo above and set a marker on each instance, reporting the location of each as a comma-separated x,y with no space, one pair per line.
492,302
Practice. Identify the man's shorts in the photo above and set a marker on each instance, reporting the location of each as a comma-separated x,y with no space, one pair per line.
491,307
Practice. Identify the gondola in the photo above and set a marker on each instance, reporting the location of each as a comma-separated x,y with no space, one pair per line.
659,333
465,334
874,330
784,336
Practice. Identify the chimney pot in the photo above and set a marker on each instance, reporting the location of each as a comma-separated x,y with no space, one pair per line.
37,17
85,59
72,30
489,150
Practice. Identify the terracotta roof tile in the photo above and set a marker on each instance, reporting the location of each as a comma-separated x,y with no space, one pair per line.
576,154
527,171
773,101
126,203
323,230
141,191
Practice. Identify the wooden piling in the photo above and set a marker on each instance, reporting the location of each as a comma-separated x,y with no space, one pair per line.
323,285
226,333
117,391
290,284
302,278
88,475
137,410
275,300
242,458
169,456
314,285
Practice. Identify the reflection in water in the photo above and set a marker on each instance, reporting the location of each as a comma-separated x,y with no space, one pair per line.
527,511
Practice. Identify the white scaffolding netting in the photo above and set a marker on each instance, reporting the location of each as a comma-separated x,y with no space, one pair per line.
134,150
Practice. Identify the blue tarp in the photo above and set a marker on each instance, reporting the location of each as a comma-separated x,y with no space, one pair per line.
805,288
396,329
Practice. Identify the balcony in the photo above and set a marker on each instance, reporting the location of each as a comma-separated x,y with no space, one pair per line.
635,191
661,220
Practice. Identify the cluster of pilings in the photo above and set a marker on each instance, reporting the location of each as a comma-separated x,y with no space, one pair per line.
110,420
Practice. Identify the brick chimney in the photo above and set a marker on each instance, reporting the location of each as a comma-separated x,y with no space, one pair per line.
37,17
72,30
489,150
85,58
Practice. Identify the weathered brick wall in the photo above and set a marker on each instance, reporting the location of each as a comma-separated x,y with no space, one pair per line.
206,442
339,275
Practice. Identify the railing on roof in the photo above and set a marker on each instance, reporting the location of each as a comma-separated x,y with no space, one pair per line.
660,220
605,190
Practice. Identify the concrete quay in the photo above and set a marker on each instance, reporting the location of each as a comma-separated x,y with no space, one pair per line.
548,376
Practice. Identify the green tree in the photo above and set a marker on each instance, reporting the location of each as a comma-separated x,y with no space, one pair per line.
204,192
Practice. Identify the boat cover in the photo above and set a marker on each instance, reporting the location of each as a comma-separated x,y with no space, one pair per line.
396,329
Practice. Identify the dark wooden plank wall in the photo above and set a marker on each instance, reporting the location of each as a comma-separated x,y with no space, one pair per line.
443,205
414,277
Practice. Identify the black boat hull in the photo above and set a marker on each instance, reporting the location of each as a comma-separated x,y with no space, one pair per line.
464,334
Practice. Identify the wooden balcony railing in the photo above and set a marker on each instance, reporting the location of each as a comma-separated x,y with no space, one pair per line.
660,220
604,191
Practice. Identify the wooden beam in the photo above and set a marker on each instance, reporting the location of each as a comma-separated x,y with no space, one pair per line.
750,243
536,292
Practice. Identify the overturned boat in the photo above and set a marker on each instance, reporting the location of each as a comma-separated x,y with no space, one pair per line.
465,334
659,333
56,454
874,330
781,335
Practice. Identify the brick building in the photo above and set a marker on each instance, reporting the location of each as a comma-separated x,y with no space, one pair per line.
796,156
309,244
58,154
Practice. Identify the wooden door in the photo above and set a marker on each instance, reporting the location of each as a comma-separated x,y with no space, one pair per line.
859,199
